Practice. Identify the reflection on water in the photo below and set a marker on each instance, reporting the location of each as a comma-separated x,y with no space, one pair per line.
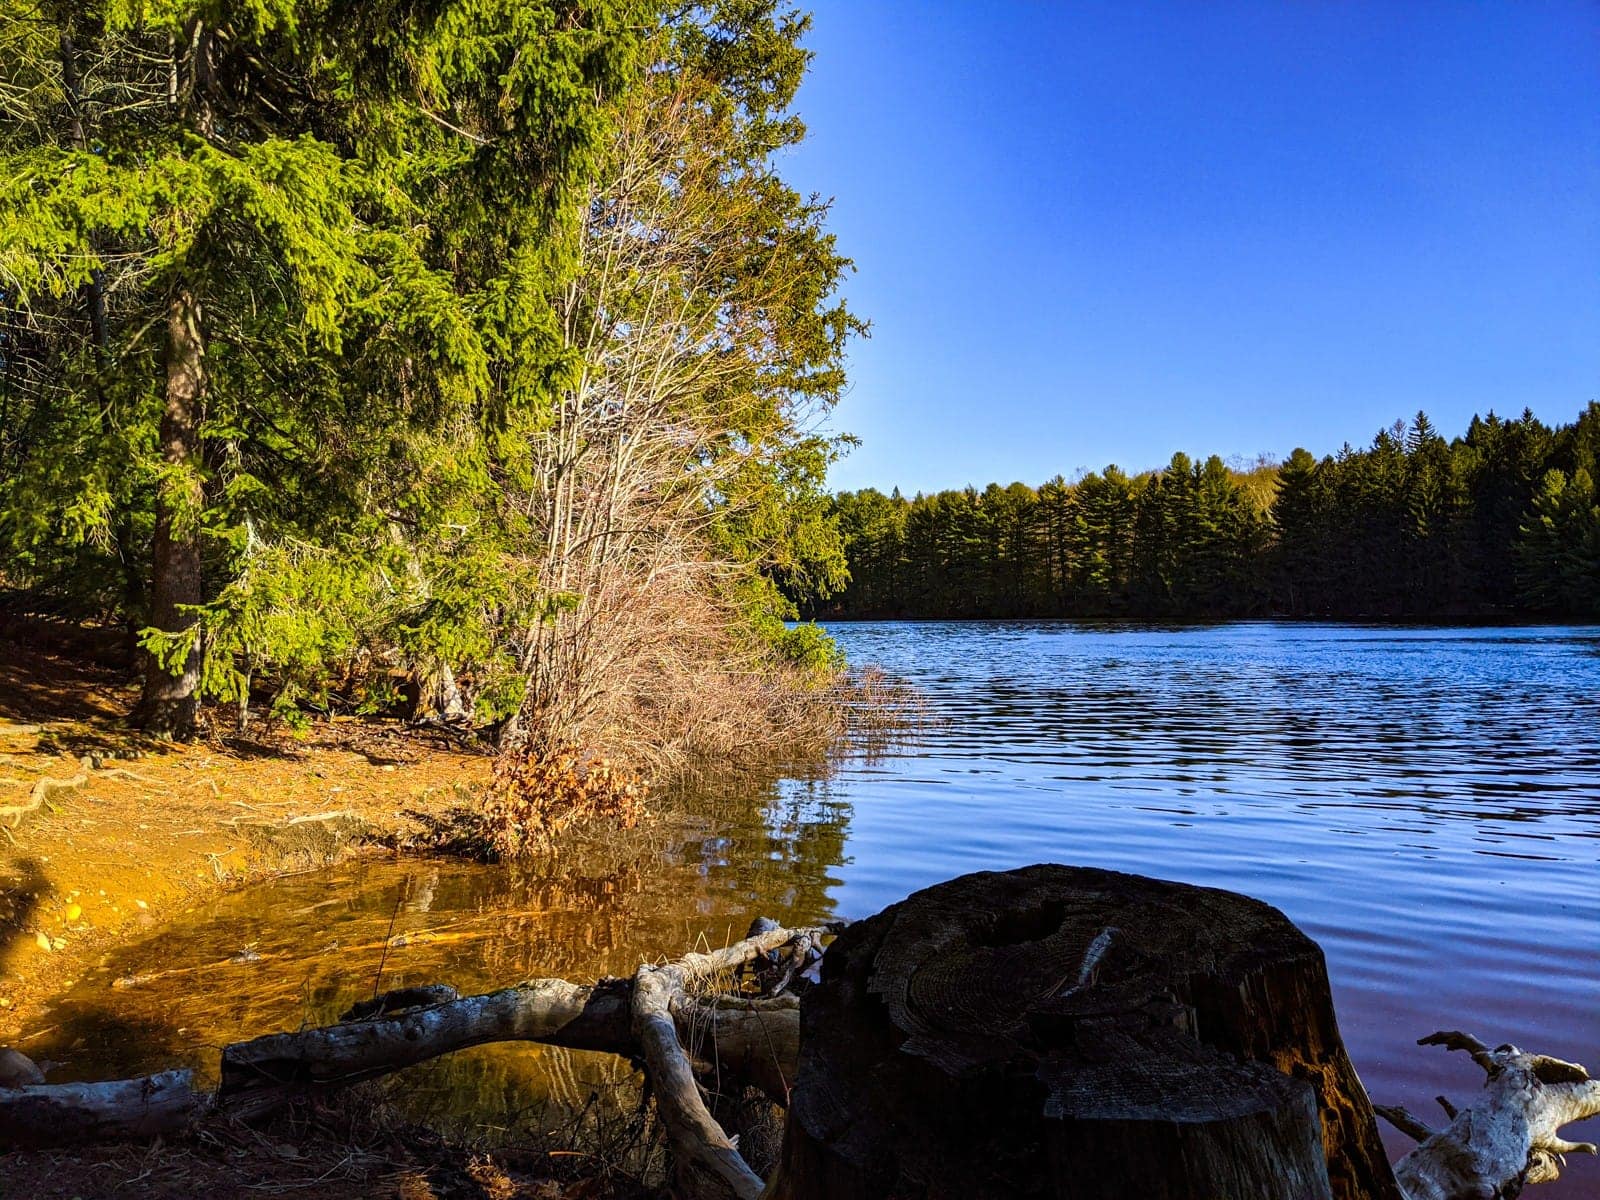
299,950
1424,802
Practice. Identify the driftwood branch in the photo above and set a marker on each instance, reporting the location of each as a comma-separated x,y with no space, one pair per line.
700,1145
706,1161
65,1113
1508,1137
753,1038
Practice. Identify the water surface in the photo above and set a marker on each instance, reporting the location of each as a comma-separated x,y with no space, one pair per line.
1425,802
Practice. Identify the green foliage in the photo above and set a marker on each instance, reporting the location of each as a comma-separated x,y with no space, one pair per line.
378,210
1503,519
1176,541
809,647
1558,554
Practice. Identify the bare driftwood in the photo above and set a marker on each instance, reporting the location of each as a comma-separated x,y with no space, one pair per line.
65,1113
705,1160
752,1038
1509,1136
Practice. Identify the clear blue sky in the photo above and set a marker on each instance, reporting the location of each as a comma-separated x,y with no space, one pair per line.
1092,233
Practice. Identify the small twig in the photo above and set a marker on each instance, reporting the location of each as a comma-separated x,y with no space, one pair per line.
1091,963
388,938
456,129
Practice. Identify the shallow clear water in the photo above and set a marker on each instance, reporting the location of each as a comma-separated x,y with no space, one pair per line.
1423,802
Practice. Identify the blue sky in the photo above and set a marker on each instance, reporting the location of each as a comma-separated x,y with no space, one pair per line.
1092,233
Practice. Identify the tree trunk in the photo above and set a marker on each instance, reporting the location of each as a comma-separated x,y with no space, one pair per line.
1057,1031
171,697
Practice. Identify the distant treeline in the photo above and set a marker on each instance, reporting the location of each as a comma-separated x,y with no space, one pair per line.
1505,519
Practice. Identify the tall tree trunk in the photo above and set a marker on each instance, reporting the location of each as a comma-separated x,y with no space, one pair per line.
171,697
94,299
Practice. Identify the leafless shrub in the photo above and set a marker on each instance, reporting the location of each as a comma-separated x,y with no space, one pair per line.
645,652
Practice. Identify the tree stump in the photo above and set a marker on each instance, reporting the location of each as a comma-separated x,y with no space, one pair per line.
1068,1032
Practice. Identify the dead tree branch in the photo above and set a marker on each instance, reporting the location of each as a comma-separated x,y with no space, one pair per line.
1509,1136
652,1017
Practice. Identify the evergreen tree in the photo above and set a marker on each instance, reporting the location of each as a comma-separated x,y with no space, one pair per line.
1413,525
1558,555
1298,518
260,213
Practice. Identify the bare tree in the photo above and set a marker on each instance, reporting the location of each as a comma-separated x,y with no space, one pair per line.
697,328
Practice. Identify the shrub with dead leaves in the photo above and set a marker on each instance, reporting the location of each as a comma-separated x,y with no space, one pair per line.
536,796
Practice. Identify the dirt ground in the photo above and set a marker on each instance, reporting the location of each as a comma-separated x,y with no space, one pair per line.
311,1154
149,827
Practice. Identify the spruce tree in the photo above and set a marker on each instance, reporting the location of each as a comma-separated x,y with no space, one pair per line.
269,225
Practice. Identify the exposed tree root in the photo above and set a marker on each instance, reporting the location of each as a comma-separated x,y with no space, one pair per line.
47,789
42,791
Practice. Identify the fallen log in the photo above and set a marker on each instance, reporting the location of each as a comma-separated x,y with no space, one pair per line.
265,1071
1508,1137
68,1113
753,1040
746,1038
1056,1031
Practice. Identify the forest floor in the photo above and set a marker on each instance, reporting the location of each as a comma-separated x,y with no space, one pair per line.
315,1154
149,828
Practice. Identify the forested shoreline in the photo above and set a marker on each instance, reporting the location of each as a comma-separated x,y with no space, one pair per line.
1503,520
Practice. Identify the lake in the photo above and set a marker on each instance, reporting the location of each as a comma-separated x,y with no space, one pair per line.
1424,802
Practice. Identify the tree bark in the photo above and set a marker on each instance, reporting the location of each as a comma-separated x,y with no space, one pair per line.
170,702
1056,1032
70,1113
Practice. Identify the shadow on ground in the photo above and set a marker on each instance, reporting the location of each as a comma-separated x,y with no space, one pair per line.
23,884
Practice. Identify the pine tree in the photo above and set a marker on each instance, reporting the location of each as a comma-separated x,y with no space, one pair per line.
1558,554
262,214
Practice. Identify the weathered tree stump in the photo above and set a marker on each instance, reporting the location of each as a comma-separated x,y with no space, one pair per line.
1068,1032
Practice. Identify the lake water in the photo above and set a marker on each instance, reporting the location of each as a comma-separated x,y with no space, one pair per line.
1425,802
